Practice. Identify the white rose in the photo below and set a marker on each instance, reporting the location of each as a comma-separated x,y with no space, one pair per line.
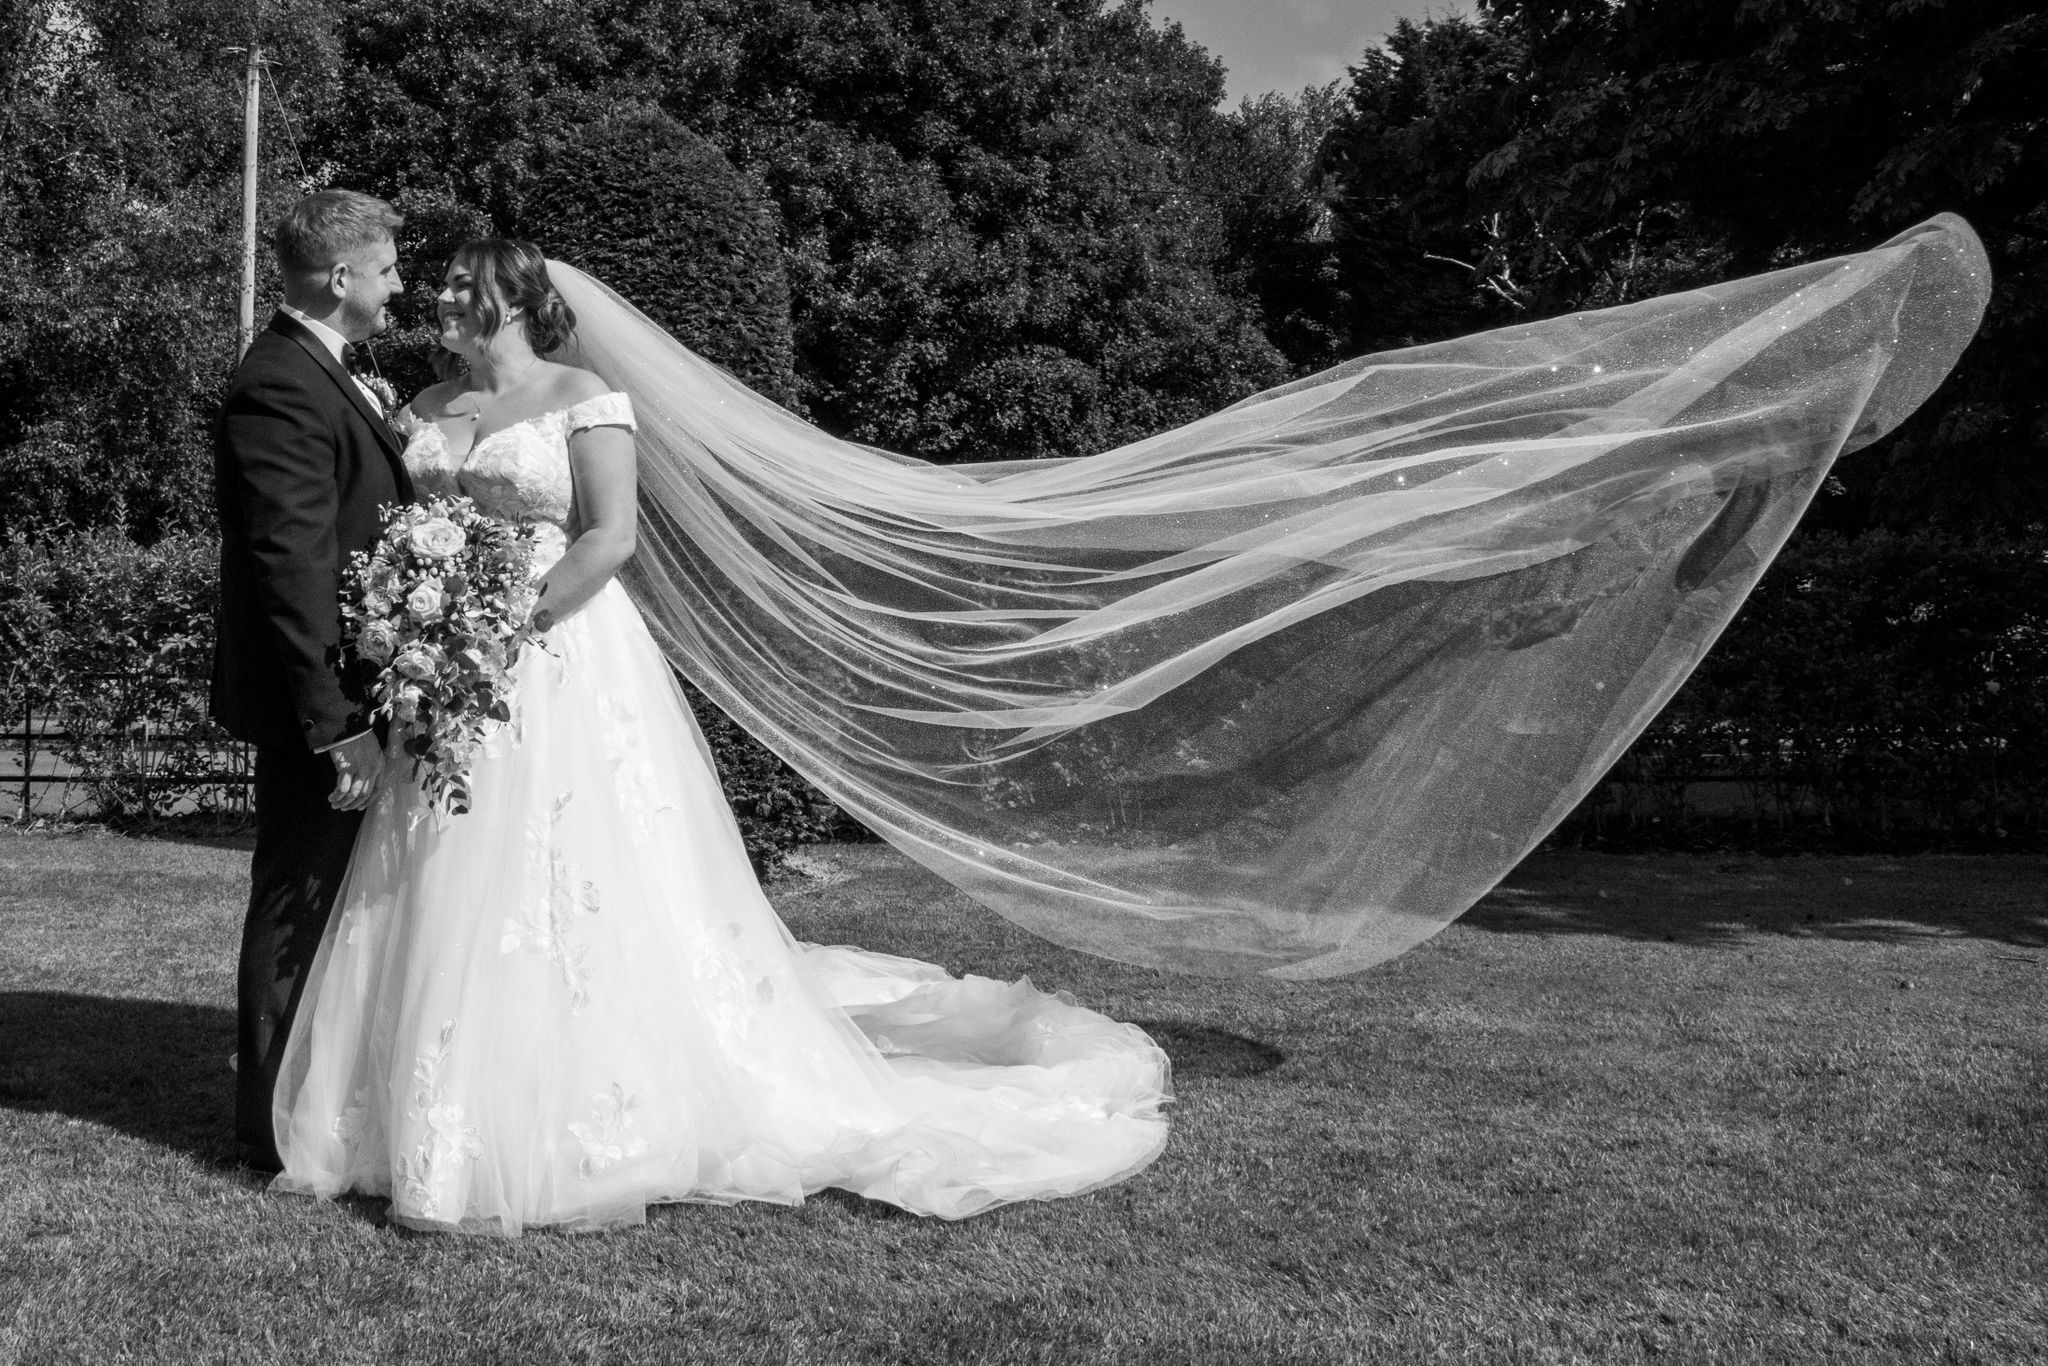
426,600
416,663
377,641
436,538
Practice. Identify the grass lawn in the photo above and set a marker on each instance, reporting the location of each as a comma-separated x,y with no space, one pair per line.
1659,1108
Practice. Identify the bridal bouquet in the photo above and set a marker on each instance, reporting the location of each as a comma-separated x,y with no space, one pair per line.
437,605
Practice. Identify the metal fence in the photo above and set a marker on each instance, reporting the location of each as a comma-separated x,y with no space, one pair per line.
143,768
126,761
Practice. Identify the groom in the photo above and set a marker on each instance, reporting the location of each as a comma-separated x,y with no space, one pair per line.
303,457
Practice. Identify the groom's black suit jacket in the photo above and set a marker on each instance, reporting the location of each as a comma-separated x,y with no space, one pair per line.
302,462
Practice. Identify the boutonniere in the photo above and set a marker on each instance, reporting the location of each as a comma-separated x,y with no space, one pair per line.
387,397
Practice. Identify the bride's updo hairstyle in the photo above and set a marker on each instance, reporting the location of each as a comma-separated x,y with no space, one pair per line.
508,275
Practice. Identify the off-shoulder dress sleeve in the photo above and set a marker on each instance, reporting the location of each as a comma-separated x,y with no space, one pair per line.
606,410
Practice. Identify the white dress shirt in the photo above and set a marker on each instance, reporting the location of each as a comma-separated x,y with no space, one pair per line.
335,343
327,336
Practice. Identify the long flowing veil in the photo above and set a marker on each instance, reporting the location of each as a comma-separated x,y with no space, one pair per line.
1289,688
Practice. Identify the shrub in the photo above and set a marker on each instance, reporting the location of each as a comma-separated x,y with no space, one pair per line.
775,807
660,215
1888,690
113,642
1873,690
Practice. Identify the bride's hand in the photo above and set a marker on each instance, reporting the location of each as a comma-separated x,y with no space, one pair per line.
543,619
537,624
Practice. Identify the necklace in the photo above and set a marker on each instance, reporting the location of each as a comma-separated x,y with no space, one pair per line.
476,414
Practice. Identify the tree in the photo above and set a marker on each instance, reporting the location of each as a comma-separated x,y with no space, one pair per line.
988,222
1417,248
118,235
996,248
1572,153
1271,186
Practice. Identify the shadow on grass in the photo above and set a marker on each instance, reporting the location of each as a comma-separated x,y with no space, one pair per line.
1713,905
215,830
153,1069
211,830
1198,1051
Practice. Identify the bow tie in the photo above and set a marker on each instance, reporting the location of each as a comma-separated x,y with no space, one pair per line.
351,357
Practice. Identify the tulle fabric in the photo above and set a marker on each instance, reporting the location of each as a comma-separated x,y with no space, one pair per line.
575,1001
1285,690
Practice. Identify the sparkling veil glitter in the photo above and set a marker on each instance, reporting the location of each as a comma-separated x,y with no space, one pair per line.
1287,689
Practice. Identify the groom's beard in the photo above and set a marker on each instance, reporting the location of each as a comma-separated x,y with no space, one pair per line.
362,326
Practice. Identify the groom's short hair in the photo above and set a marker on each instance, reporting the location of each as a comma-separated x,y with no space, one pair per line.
329,225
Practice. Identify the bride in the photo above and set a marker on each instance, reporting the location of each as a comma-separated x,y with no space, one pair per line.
575,1001
1281,692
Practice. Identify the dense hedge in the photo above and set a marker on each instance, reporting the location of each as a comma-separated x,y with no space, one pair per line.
660,215
1885,691
113,643
1882,691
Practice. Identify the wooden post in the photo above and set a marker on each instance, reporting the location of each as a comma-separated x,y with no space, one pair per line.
252,102
28,749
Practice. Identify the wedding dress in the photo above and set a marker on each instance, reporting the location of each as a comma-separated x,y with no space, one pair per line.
574,1001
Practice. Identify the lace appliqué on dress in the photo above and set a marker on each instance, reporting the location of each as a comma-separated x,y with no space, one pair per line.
604,1137
731,982
632,766
606,410
349,1124
521,472
547,921
448,1142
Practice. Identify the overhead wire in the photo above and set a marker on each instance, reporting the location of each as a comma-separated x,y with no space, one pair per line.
284,113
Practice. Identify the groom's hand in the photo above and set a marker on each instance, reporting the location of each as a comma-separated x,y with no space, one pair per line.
358,764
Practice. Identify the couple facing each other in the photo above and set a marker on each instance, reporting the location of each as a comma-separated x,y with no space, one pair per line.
1450,584
573,1000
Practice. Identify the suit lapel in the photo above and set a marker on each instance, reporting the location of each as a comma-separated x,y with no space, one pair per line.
350,390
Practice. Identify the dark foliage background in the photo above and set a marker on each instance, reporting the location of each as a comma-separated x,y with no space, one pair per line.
1887,690
111,642
1001,228
1560,154
659,214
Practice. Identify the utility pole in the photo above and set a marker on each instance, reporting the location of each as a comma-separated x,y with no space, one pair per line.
252,104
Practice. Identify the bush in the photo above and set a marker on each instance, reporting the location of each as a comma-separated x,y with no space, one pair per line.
660,215
1883,690
776,808
113,642
111,364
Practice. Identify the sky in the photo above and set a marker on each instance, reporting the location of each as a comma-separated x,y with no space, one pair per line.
1284,45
